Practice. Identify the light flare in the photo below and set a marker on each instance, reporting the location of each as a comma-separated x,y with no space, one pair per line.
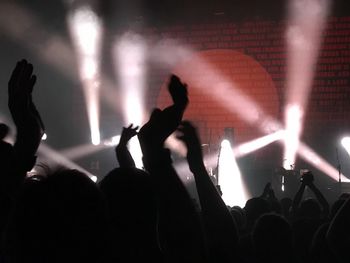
130,61
256,144
86,30
229,177
53,158
294,117
346,144
306,22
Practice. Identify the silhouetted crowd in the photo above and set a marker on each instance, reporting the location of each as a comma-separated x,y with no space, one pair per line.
147,215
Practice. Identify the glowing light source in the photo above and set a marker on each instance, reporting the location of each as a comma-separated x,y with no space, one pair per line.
44,137
294,116
229,178
93,178
130,56
306,21
86,31
346,144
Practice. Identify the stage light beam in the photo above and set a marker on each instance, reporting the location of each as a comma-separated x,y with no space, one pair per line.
229,177
130,61
54,158
294,117
256,144
86,30
306,22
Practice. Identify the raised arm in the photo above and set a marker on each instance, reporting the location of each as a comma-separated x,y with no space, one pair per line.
320,198
298,197
308,180
219,225
179,224
28,122
123,155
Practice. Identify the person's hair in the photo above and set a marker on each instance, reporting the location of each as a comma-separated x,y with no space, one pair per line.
309,208
272,238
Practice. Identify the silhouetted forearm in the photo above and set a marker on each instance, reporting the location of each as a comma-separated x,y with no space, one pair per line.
219,225
297,198
179,223
124,157
321,199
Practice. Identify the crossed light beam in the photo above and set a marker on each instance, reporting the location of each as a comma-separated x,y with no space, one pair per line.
251,113
52,49
306,22
49,155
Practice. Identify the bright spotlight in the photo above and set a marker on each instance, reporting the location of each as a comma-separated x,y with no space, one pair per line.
130,55
294,117
135,151
86,31
130,58
306,22
93,178
44,137
346,144
225,143
229,177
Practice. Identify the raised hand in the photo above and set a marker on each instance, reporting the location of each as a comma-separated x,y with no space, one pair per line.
20,88
162,123
217,220
307,178
28,122
122,153
179,224
128,133
188,134
178,91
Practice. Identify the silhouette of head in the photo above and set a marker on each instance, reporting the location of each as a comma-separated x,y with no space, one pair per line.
239,217
336,206
272,239
309,208
286,204
64,215
254,208
4,130
130,197
132,207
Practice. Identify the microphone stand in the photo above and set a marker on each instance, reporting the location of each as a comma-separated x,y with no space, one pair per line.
339,170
